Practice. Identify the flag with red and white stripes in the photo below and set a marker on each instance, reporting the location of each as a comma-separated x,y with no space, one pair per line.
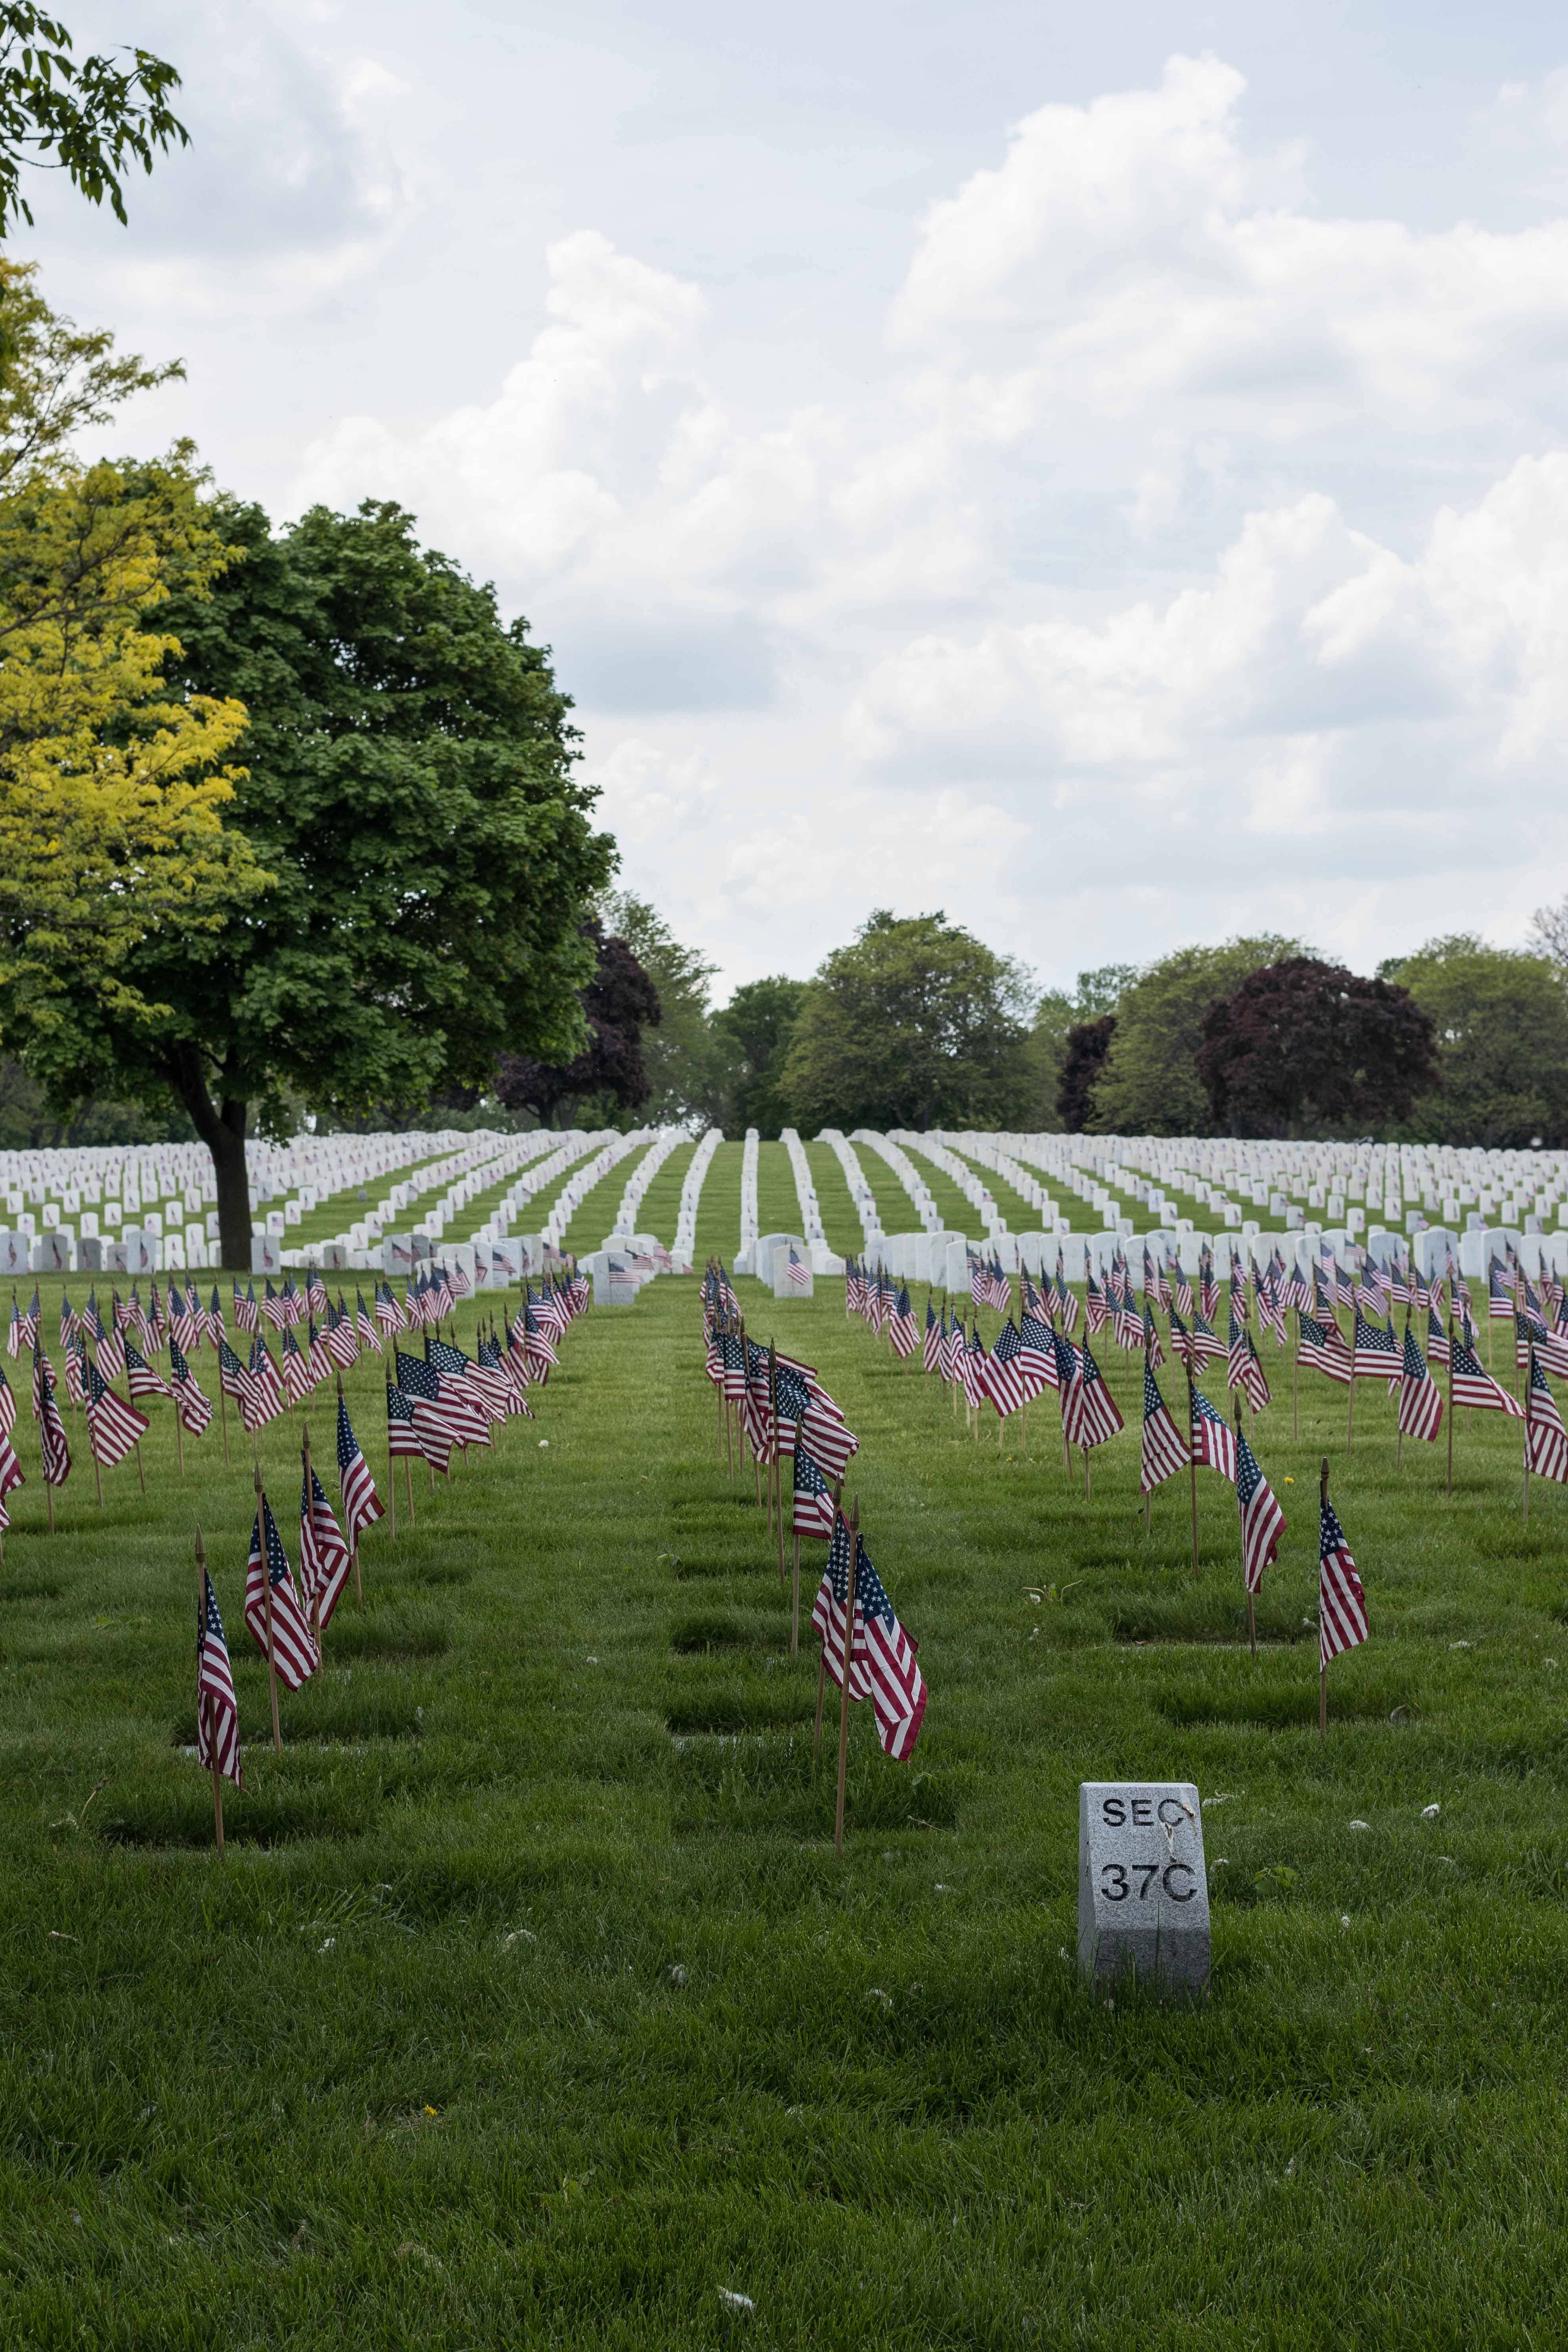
1213,1439
193,1409
56,1451
882,1665
1420,1398
1003,1379
1342,1603
1090,1413
113,1427
1473,1386
1262,1520
362,1505
324,1556
1545,1442
811,1515
1164,1452
294,1644
218,1708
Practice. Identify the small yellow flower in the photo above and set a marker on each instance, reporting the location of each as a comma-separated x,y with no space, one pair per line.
429,2111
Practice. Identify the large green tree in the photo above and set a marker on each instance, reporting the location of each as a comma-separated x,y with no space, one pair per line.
760,1019
915,1024
427,849
1501,1019
1150,1083
1309,1048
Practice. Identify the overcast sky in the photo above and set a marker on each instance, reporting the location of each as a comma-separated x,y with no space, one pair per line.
1108,479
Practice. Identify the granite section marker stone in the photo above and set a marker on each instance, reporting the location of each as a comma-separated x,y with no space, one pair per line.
1142,1890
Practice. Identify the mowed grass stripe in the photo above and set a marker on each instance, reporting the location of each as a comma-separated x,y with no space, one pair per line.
588,1912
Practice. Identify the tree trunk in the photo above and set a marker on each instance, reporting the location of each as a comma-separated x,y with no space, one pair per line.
221,1126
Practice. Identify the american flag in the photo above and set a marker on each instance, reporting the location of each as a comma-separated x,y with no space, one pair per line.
324,1558
1545,1442
141,1377
318,1363
113,1427
812,1512
882,1666
7,1405
999,1286
1530,1331
792,1403
953,1353
979,1281
441,1420
973,1370
266,1383
13,1337
57,1453
1262,1520
935,1331
185,1319
1181,1291
1323,1346
193,1409
402,1437
247,1313
1094,1299
1164,1453
217,1709
500,1391
1213,1439
339,1338
274,1308
1206,1343
293,1646
827,1436
797,1274
315,1291
76,1369
885,1656
236,1381
1155,1353
1420,1398
1377,1351
70,1319
1236,1355
1089,1414
1003,1381
903,1330
213,1320
1342,1603
1208,1288
1437,1337
1473,1385
10,1472
1066,1300
365,1324
293,1305
1036,1365
1129,1318
295,1370
388,1313
32,1321
1500,1293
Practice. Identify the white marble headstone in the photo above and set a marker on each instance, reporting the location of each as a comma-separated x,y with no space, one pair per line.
1142,1890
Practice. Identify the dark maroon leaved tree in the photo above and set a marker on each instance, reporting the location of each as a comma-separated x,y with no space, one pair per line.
1088,1045
620,1002
1304,1046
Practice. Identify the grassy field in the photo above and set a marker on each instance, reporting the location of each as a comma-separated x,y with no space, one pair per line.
532,2007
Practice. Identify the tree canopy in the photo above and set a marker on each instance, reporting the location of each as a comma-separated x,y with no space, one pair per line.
1305,1048
1150,1083
1501,1020
92,118
691,1064
408,794
915,1024
1087,1045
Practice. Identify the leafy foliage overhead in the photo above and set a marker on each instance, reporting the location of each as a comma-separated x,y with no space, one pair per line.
92,118
619,1004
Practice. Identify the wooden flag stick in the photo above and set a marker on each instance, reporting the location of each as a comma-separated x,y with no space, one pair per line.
1349,1409
1450,1404
308,1501
223,1413
179,1437
1323,1661
795,1601
843,1693
267,1605
1399,1426
1251,1619
1529,1397
822,1664
1192,1464
140,1468
211,1713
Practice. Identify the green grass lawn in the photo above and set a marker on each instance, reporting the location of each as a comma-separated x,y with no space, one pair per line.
533,2006
840,1219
